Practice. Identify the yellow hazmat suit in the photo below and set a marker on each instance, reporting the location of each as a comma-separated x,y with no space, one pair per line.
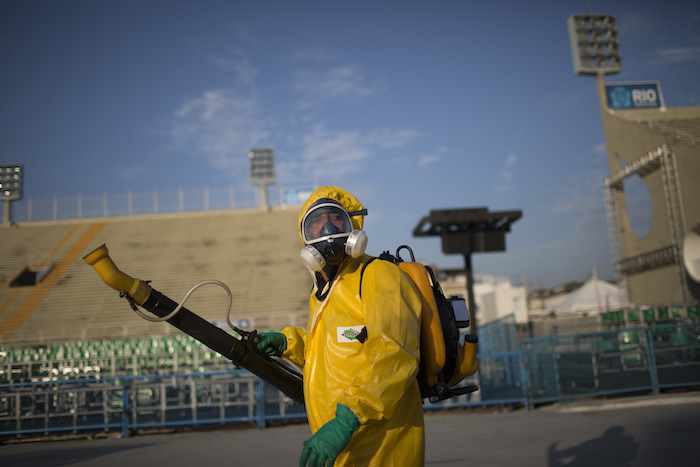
377,379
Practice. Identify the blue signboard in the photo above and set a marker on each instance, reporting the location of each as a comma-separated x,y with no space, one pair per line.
634,95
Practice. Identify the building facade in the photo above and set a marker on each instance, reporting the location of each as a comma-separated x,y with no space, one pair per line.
662,147
495,297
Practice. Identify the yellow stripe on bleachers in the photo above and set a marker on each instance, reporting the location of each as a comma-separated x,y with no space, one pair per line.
61,243
11,299
39,292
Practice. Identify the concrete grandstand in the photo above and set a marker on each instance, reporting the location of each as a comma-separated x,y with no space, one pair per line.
49,294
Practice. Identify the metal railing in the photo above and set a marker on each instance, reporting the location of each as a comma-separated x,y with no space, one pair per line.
150,202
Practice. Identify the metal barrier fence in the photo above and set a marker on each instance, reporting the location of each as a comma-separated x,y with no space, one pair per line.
140,403
537,371
609,362
499,336
132,403
501,377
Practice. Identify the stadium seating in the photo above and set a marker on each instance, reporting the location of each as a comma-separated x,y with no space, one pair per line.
108,357
254,252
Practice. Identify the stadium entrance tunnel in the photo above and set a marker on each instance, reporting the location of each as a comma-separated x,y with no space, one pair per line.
30,275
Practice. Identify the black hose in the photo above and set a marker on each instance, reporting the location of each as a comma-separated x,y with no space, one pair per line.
240,353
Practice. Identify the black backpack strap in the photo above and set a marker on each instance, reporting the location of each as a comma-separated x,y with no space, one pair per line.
362,273
362,336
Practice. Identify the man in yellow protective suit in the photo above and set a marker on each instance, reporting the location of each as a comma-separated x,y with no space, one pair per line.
360,351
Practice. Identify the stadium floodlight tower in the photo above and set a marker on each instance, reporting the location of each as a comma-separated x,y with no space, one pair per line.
595,49
262,172
10,188
467,231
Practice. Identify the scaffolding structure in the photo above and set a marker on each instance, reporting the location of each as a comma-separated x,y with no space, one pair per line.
661,158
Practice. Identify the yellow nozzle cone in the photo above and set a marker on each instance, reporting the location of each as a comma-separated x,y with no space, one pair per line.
138,290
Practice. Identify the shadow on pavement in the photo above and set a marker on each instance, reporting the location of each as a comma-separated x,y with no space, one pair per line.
614,448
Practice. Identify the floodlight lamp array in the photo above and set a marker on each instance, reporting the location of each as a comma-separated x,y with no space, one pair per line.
11,182
594,45
262,166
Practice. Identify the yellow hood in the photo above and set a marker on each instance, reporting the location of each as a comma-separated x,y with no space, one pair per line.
345,199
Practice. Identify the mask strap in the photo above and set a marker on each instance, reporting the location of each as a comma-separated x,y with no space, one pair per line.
323,287
361,212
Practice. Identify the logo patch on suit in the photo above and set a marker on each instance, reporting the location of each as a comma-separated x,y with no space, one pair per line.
348,334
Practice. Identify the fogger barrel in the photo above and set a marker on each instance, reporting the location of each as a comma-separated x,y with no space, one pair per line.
213,337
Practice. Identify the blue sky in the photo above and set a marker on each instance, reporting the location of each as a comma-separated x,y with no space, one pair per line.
410,105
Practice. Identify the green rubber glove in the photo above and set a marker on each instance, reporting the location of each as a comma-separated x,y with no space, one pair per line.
271,344
330,440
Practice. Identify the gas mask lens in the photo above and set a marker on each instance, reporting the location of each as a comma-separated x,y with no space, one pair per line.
325,221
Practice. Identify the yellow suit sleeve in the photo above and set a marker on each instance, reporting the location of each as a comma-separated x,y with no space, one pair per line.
296,340
391,307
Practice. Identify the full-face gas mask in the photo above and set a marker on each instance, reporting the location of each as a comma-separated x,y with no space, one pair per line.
327,232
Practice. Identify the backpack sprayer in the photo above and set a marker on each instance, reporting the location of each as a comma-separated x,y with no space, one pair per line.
240,351
444,361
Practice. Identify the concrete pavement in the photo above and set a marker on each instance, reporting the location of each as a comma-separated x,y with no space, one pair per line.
650,430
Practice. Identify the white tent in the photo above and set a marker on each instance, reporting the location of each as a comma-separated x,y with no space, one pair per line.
594,296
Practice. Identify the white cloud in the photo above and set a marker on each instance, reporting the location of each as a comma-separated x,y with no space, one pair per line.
582,198
388,138
506,174
341,146
600,149
244,71
314,54
340,82
675,55
428,159
243,33
220,126
502,188
572,203
327,154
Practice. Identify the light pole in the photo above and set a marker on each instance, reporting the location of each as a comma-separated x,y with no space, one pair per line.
10,188
595,49
262,172
596,52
